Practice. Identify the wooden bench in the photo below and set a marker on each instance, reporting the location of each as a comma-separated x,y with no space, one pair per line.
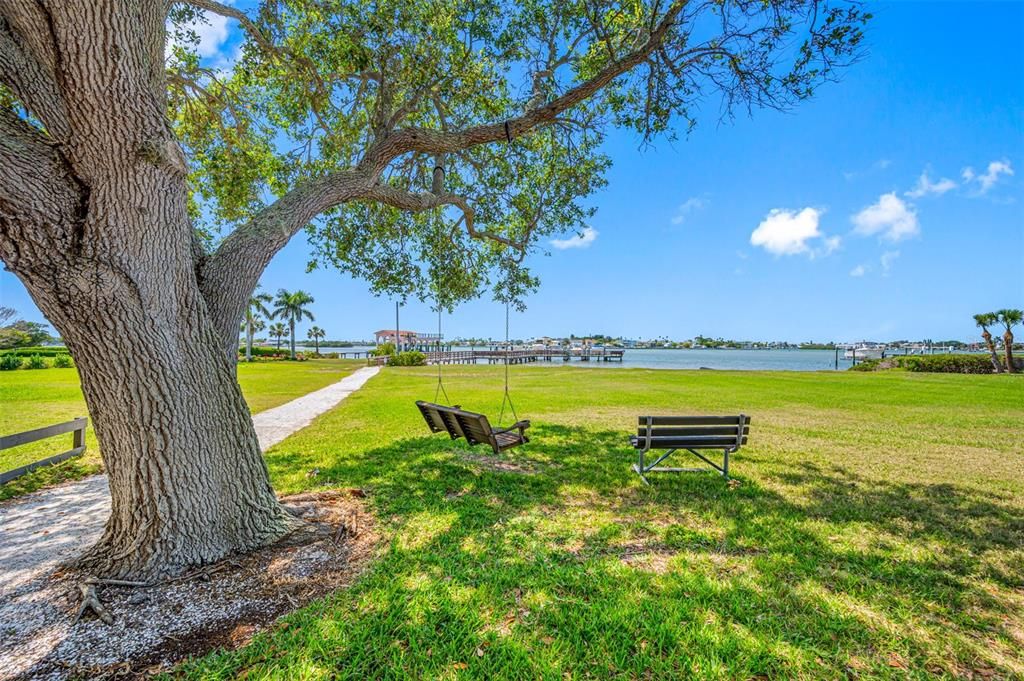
692,433
472,426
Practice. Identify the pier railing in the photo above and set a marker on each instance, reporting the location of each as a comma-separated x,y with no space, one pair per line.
515,356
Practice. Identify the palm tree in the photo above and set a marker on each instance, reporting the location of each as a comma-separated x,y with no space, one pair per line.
278,331
984,321
292,307
1009,318
315,333
257,307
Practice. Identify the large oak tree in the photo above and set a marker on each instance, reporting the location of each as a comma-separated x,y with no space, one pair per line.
420,143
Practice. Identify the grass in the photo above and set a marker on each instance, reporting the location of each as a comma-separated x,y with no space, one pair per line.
33,399
874,530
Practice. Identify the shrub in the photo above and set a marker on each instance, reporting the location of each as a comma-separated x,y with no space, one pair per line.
9,362
62,361
41,350
946,364
950,364
384,349
411,358
867,365
35,362
260,351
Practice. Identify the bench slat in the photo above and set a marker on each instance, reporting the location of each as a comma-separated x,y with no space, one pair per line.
692,420
695,430
707,442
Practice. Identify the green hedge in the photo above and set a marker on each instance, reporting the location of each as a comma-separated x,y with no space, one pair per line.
939,364
946,364
264,351
41,350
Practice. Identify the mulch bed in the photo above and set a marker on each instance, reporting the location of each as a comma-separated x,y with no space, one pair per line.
219,606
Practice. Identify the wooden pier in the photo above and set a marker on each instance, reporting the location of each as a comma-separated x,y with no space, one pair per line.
517,356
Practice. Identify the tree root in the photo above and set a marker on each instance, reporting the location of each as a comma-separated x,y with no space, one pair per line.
90,601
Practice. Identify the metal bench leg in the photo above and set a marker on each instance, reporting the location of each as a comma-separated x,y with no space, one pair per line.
725,465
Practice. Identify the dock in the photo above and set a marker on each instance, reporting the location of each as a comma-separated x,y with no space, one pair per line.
515,356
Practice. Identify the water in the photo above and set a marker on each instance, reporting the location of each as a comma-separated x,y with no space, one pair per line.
744,360
736,360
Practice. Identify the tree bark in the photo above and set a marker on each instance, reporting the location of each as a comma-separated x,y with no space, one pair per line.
1008,351
248,336
996,366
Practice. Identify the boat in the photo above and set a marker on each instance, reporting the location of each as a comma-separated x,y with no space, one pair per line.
862,352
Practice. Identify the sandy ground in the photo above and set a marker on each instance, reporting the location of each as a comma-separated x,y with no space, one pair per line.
40,531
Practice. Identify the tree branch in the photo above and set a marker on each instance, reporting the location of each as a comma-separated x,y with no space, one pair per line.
230,274
248,25
41,202
439,141
32,82
419,202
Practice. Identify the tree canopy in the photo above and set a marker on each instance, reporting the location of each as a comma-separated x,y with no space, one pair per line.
479,123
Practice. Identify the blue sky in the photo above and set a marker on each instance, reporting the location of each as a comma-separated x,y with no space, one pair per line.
891,206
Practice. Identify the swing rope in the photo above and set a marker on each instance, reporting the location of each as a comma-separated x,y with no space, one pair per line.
439,390
507,397
440,384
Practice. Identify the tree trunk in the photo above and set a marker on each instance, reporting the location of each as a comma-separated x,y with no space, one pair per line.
316,344
248,336
996,365
108,253
188,482
291,330
1008,351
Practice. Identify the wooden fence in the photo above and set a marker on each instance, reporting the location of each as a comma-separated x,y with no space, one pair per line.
76,426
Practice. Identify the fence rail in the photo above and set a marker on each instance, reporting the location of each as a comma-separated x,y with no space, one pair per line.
76,426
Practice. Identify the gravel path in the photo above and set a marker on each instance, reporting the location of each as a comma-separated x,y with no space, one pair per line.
39,531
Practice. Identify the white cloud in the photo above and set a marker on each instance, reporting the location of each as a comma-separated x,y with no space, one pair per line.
925,187
212,34
582,240
989,178
887,260
785,232
858,271
890,217
686,208
212,30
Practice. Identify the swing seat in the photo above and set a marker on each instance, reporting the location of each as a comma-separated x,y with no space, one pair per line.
472,426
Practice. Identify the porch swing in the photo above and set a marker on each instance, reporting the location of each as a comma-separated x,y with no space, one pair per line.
473,426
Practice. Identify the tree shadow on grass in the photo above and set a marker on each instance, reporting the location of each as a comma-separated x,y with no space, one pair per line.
582,570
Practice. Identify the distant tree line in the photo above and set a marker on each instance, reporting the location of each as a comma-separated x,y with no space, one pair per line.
18,333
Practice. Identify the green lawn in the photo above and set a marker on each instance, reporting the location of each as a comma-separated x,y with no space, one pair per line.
875,530
33,399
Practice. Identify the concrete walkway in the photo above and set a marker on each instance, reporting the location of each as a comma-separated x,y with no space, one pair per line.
274,425
40,530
